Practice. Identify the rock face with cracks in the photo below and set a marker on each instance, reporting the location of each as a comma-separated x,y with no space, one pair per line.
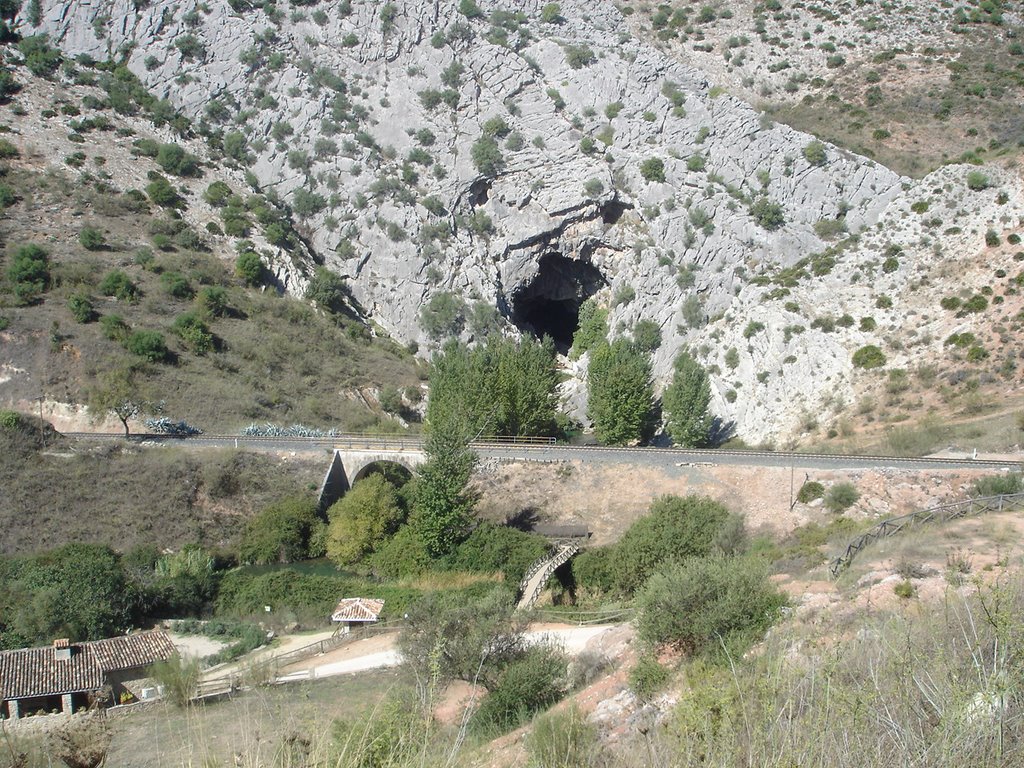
523,166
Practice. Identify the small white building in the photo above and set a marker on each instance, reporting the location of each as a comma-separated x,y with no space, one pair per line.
353,612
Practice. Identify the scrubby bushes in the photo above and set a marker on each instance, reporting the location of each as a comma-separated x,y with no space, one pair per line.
249,267
841,496
451,638
281,533
29,272
497,548
149,345
767,213
810,491
117,284
994,485
653,169
868,357
443,316
702,604
675,528
528,684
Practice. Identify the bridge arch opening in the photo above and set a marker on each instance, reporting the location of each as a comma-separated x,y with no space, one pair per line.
394,472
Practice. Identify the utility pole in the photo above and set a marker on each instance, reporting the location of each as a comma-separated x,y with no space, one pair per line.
792,470
42,432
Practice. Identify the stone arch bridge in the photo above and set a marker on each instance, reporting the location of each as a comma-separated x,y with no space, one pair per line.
350,465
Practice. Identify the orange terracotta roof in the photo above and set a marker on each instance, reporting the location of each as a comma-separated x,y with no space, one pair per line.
29,672
357,609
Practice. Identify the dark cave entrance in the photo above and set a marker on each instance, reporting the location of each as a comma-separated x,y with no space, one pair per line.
550,304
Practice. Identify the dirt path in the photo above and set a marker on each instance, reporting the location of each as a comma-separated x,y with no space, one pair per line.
283,645
381,651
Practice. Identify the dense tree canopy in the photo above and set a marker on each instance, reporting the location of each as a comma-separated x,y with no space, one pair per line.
503,387
78,591
676,528
280,533
443,505
361,519
621,395
685,402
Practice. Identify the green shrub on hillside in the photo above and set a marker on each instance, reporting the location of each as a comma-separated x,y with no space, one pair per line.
648,677
767,213
329,291
92,239
675,528
161,192
868,357
448,637
114,327
703,603
176,285
443,316
815,154
528,684
579,56
653,169
280,533
41,58
249,267
841,496
117,284
487,157
977,181
29,272
149,345
810,491
564,739
81,307
193,330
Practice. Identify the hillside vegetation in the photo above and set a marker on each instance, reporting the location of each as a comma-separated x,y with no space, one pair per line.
177,294
912,86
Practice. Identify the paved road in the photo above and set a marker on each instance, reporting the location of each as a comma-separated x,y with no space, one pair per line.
533,451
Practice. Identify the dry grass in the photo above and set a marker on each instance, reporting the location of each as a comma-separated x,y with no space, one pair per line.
435,581
126,495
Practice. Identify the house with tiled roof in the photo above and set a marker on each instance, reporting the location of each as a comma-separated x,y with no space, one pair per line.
352,612
69,676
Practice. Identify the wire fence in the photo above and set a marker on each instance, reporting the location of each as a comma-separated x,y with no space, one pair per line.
942,513
266,669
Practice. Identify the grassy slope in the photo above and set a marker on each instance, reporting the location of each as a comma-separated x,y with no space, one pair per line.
125,496
277,359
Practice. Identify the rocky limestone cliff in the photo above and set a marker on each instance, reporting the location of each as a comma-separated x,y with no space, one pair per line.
360,104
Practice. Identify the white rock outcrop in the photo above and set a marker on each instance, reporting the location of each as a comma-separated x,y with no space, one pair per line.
337,99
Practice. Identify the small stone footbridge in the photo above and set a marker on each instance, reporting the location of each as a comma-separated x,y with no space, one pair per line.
567,541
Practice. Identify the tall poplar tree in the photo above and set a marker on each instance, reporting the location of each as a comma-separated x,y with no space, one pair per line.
620,392
685,402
